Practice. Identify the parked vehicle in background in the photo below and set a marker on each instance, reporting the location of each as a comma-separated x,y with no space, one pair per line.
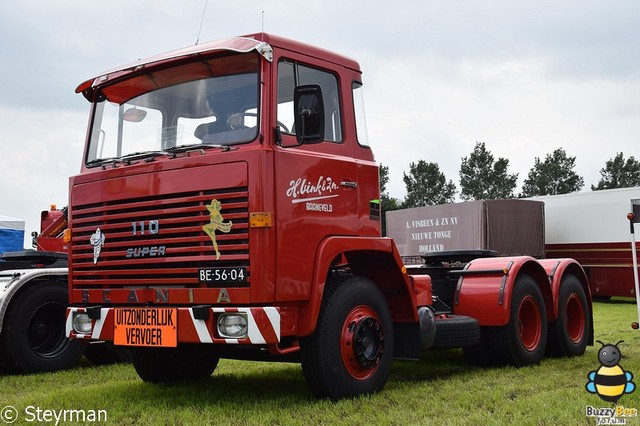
34,294
592,227
33,299
507,227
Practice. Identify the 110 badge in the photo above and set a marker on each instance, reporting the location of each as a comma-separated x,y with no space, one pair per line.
152,226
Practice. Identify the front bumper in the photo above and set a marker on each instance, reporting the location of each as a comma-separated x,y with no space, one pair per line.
192,324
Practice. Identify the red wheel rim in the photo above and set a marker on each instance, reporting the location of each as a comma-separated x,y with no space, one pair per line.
574,311
361,342
529,323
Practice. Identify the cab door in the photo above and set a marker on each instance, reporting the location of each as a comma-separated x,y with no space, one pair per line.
316,184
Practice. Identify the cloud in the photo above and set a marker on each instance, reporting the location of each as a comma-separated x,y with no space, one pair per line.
46,150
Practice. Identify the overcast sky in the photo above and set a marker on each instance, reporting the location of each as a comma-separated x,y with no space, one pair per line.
525,77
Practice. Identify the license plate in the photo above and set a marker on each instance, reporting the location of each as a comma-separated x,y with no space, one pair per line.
146,327
229,275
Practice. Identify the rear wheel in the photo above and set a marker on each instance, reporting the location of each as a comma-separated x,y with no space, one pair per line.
568,335
165,365
33,338
522,340
350,352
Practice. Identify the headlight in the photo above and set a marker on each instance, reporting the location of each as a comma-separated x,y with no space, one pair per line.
82,323
233,325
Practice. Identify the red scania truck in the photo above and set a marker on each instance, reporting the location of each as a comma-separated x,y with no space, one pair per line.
227,207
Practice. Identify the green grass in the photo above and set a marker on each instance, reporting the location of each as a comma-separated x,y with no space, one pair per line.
440,389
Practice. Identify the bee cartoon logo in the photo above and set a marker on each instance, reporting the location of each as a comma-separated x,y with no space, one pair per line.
610,381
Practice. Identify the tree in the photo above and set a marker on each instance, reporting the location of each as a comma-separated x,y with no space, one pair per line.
552,176
427,185
483,178
619,173
387,203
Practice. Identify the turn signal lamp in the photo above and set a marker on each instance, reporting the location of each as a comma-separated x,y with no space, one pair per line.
66,235
260,220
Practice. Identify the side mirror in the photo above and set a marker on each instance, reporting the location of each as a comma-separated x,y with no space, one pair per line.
309,114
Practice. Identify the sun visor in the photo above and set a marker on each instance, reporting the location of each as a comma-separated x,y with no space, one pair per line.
235,44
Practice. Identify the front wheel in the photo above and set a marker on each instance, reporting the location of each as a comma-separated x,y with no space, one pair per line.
350,352
33,338
166,365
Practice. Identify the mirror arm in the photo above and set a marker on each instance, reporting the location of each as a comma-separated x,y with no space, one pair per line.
277,135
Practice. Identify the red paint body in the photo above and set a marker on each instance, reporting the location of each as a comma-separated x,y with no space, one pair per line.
321,199
52,224
609,266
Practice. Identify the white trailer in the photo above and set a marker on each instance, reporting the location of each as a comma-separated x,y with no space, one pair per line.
592,228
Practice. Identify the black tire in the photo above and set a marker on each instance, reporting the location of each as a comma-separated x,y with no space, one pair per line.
456,331
166,365
569,334
33,338
350,352
522,341
106,353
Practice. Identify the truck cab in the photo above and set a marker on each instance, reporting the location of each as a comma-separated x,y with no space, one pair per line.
165,141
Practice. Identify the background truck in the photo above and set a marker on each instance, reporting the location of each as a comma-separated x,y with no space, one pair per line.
508,227
592,227
227,206
33,299
34,295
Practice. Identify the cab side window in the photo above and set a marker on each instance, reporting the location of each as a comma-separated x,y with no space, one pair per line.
291,75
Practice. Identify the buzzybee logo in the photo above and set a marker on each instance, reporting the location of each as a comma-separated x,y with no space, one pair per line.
610,381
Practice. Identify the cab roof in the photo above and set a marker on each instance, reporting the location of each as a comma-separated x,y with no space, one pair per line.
262,43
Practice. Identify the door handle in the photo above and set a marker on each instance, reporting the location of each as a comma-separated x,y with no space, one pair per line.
349,184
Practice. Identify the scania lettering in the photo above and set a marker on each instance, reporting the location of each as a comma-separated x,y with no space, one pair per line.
248,158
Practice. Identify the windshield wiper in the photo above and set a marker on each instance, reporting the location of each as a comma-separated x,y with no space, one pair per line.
126,159
103,161
196,146
129,158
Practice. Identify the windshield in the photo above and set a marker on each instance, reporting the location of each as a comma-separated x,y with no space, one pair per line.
206,102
